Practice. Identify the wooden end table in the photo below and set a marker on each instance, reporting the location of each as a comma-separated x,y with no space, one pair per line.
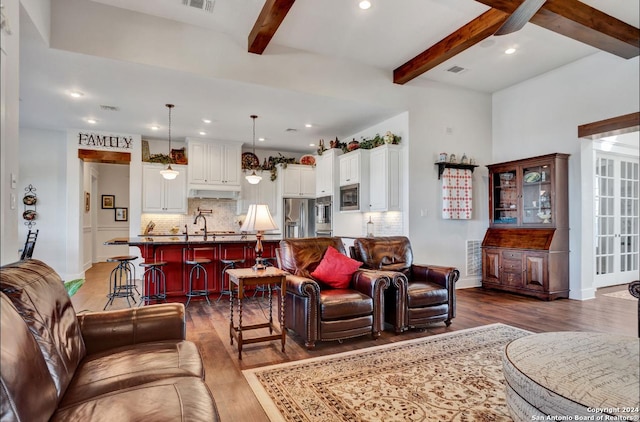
241,277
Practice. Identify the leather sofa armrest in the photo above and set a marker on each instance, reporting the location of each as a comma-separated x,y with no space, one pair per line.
370,282
303,286
110,329
444,276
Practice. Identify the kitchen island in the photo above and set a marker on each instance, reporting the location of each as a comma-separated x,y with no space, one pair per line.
175,250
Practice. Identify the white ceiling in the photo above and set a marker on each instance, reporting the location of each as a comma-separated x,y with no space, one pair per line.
383,37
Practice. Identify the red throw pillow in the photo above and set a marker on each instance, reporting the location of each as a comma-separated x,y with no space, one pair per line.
336,269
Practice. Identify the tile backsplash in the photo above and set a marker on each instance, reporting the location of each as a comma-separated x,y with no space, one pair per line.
222,218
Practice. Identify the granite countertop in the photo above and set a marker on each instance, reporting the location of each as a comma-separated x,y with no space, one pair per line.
193,239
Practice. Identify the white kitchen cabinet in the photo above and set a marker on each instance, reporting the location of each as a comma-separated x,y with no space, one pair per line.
263,193
297,181
160,195
350,165
385,178
214,165
326,172
354,167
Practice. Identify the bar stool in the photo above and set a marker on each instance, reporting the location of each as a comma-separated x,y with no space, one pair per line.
198,265
154,275
122,279
228,264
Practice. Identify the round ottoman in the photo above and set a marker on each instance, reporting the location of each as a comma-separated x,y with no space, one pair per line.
581,375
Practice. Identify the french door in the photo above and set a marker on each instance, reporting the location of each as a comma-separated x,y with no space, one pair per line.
617,219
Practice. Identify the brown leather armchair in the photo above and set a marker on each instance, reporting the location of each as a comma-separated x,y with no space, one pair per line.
316,311
418,294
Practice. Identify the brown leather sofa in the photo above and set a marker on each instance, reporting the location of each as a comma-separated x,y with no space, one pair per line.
419,295
132,364
318,312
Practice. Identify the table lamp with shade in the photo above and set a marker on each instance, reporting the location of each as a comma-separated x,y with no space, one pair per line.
258,220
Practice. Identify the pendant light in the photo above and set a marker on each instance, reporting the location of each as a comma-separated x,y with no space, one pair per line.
253,178
169,173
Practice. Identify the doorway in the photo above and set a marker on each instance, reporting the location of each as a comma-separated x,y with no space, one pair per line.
611,221
616,219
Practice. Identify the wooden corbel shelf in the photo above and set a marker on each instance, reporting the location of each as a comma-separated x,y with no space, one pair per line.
444,165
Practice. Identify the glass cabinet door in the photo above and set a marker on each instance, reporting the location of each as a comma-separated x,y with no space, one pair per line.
505,197
536,195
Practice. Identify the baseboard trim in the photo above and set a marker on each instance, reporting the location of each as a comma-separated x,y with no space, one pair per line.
468,283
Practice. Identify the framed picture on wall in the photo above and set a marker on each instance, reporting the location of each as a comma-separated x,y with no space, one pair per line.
122,214
108,202
87,202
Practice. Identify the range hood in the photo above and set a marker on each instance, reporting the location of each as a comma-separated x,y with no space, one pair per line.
212,193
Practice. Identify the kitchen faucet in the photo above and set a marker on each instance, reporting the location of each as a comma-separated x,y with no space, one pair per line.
205,224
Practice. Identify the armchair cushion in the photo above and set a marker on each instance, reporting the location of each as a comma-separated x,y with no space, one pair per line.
344,303
426,294
336,269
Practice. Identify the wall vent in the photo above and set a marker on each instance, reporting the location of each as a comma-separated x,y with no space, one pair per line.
206,5
108,108
456,69
474,258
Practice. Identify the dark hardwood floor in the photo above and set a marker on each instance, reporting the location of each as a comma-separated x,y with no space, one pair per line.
208,326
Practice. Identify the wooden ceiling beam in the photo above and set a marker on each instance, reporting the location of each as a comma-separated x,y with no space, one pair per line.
271,16
583,23
470,34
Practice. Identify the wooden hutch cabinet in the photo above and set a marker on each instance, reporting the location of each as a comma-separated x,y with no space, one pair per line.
526,248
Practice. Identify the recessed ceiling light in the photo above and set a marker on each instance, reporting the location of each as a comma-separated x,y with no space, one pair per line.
207,121
312,145
510,51
92,121
76,94
155,127
261,139
364,4
202,133
308,125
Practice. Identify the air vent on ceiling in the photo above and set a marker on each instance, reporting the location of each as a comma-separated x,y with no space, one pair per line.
456,69
108,108
206,5
291,130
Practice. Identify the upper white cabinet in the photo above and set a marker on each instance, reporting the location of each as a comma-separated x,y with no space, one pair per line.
214,165
163,196
354,167
297,180
385,178
263,193
326,172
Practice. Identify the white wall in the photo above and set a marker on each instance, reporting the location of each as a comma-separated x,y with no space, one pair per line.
113,180
43,165
446,119
541,116
39,12
9,122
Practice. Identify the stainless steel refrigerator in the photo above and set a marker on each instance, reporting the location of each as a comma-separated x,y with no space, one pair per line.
299,217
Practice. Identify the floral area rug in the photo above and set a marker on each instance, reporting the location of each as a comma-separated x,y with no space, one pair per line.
447,377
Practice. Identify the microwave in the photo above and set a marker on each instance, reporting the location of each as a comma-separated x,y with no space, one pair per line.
350,197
